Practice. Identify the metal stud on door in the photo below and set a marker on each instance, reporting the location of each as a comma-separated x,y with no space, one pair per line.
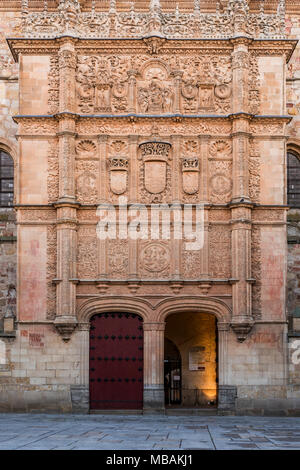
116,361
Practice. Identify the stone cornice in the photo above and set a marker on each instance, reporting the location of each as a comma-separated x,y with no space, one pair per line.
137,45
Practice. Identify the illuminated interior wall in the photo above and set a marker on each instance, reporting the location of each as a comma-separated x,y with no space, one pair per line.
194,334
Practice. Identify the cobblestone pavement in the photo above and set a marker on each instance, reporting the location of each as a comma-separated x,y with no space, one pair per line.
119,432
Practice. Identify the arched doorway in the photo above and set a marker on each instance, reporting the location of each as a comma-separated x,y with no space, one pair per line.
191,360
172,373
116,361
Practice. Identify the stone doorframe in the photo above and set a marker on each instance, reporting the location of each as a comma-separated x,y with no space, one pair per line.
154,317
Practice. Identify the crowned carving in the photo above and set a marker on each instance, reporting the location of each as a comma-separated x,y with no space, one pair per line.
155,177
190,175
118,170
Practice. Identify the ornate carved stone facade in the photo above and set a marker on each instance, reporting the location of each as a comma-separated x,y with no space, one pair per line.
126,110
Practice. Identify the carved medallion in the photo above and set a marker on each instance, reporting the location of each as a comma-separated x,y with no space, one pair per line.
220,184
155,257
223,91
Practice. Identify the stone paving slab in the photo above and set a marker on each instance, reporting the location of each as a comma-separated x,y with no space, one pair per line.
157,432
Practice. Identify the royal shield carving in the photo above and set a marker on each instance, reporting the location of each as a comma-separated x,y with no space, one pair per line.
118,175
155,156
190,175
155,176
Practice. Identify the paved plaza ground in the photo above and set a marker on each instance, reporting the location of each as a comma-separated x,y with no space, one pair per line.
119,432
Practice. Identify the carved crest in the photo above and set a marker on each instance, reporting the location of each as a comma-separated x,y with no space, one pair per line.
155,157
118,174
190,175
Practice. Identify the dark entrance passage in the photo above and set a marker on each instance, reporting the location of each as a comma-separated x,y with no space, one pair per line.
116,362
172,374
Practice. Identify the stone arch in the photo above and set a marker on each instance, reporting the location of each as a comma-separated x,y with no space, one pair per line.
104,304
154,63
196,304
7,147
293,173
293,146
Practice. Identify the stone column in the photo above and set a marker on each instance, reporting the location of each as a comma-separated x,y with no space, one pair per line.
226,393
80,392
66,205
154,396
177,74
132,91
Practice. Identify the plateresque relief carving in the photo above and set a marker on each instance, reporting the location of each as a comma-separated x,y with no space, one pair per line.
155,91
102,84
154,260
155,172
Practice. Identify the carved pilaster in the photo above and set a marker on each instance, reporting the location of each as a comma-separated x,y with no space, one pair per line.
67,66
177,74
240,167
132,91
204,172
66,321
242,320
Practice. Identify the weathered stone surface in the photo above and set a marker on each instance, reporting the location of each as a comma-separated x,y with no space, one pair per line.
155,121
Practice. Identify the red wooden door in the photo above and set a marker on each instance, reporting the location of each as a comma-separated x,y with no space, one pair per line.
116,361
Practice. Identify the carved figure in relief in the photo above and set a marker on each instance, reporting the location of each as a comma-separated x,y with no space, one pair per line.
156,98
155,257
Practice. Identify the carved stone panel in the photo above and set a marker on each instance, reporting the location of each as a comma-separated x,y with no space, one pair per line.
102,84
220,251
86,181
155,94
220,181
154,259
87,267
155,172
118,256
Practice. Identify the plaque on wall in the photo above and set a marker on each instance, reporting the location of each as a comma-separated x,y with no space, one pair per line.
197,358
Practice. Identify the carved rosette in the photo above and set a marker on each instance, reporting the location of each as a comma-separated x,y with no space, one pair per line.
155,171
